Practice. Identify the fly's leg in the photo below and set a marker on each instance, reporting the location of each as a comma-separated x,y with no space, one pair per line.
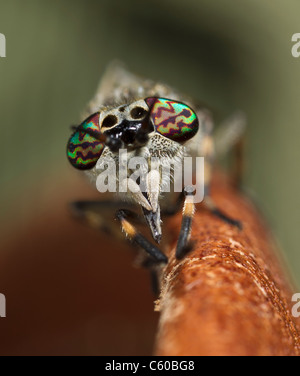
183,245
154,272
156,257
210,204
100,215
137,238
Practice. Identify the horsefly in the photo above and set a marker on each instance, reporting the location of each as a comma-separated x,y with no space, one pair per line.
142,144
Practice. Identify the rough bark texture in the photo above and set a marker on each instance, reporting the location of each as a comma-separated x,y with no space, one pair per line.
229,296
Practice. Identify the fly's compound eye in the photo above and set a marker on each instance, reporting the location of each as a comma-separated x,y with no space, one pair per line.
84,148
172,119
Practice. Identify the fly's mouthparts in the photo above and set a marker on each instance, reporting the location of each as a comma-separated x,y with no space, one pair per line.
142,137
114,144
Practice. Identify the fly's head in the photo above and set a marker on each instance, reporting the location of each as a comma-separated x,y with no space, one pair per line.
150,127
159,124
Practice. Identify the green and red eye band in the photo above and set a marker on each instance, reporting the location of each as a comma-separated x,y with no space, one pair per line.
84,147
171,119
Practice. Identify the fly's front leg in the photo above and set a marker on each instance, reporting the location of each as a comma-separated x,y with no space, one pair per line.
101,215
97,214
137,238
210,204
183,245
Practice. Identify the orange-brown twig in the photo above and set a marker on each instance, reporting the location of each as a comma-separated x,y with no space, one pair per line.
229,296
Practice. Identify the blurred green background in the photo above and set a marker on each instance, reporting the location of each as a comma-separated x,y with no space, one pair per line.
228,54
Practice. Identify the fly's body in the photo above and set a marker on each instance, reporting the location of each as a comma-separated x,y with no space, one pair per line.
157,127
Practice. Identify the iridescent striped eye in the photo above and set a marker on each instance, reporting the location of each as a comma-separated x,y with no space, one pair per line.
84,148
172,119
